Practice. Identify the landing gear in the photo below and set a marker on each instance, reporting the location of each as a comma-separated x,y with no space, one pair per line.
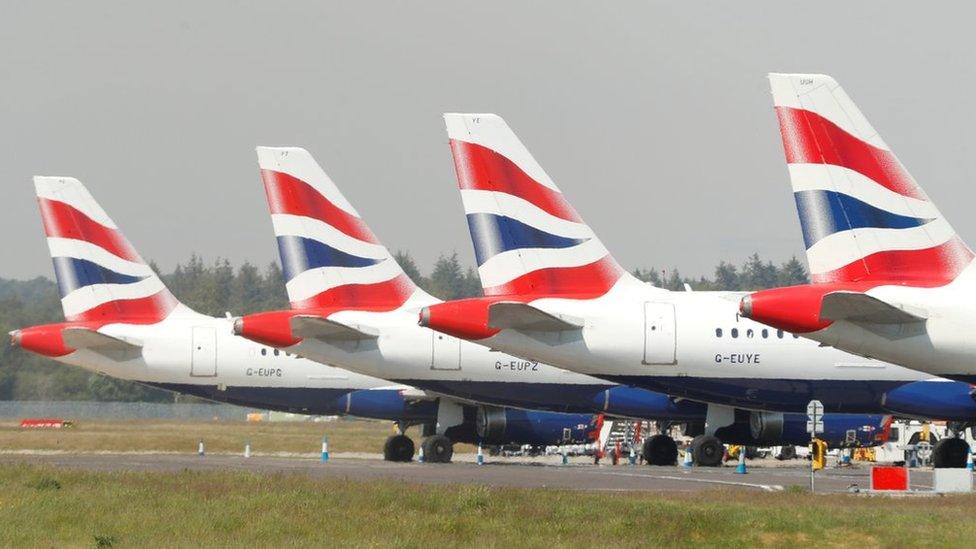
950,453
398,448
660,450
786,453
438,449
707,451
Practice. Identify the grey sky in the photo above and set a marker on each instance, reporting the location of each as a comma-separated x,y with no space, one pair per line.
654,118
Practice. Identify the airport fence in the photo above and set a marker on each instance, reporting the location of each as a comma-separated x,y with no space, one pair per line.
199,411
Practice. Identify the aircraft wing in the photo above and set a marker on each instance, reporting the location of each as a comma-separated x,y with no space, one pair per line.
109,346
858,307
330,330
524,317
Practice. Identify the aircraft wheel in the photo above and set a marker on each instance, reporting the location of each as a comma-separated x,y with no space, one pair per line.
707,451
398,448
950,453
660,450
438,449
786,453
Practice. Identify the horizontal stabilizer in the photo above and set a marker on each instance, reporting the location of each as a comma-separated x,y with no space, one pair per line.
111,347
524,317
858,307
329,330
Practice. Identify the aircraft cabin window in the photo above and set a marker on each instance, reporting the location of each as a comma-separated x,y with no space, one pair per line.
735,333
779,334
718,332
765,333
264,352
749,333
276,352
796,336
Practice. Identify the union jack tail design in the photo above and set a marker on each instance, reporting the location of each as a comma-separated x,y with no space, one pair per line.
100,275
528,239
329,256
864,218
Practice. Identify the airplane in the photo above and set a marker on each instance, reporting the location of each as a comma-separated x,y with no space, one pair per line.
553,293
123,322
352,305
890,277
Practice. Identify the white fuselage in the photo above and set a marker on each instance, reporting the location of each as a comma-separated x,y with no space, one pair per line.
695,344
407,353
194,353
943,344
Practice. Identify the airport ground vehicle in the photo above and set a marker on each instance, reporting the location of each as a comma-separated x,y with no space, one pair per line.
353,306
122,321
553,293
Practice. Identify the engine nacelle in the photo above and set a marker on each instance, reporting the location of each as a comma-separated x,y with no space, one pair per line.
951,401
511,426
840,430
386,404
623,401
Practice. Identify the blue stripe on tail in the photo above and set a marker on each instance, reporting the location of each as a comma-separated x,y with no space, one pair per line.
300,254
493,234
823,213
73,273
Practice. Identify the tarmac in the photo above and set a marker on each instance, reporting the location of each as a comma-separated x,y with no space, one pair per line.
541,472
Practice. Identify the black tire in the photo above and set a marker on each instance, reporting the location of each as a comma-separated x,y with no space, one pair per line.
438,449
398,448
752,452
786,453
708,452
660,450
950,453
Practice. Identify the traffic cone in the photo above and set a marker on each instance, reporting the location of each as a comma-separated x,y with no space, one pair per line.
845,456
200,448
325,449
740,469
565,457
247,449
688,462
420,454
481,456
969,461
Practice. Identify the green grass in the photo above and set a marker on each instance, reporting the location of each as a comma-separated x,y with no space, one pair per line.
43,506
218,436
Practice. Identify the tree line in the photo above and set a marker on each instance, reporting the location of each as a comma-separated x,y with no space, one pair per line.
217,287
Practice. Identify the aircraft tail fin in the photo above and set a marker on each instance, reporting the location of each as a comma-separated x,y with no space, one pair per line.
527,238
863,216
329,256
101,277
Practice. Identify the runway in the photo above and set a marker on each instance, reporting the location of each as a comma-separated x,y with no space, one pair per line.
538,473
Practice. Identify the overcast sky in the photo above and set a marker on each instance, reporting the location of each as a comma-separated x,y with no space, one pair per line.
653,117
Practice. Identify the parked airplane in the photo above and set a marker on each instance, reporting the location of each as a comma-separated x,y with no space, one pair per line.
891,278
554,294
122,321
353,306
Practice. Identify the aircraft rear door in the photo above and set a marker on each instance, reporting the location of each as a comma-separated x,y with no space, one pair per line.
446,352
659,333
203,356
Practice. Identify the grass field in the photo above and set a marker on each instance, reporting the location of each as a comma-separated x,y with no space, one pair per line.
183,436
57,507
